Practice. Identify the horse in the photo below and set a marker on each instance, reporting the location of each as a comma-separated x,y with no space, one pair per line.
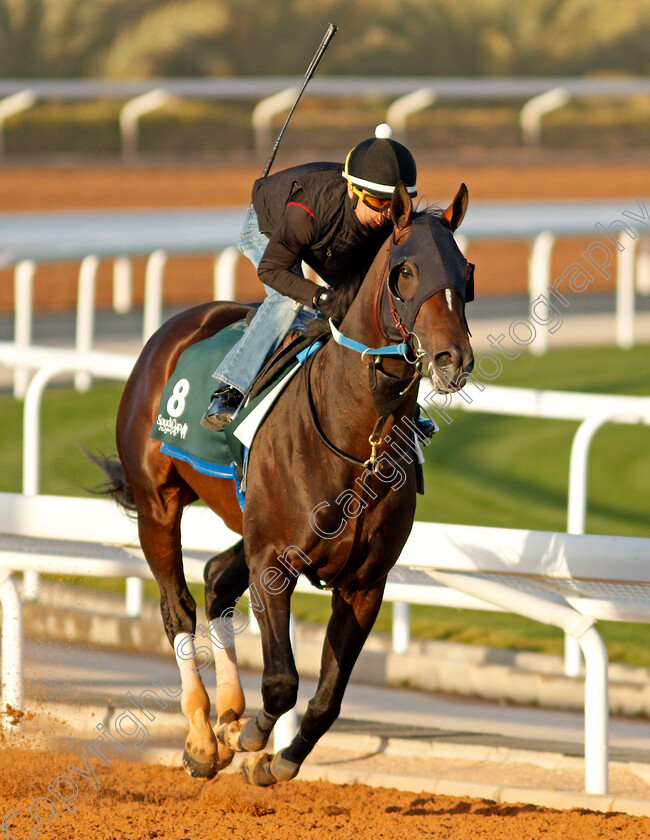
317,502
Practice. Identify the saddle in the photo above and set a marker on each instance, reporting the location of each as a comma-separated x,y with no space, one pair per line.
187,392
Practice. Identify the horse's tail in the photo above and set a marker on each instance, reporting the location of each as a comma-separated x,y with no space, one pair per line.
116,485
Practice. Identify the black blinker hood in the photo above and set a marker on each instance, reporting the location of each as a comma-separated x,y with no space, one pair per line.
433,248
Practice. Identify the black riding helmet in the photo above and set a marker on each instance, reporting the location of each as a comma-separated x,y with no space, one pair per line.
377,165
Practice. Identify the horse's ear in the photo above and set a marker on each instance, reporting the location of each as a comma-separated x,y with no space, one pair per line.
401,207
455,213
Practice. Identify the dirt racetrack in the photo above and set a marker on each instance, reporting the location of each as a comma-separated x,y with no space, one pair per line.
139,802
501,266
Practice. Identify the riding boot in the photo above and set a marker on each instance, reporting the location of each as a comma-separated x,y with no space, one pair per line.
224,404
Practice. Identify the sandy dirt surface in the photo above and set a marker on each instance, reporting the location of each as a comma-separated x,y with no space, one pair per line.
138,802
501,266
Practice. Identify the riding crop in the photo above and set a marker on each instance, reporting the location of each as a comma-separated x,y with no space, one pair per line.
331,32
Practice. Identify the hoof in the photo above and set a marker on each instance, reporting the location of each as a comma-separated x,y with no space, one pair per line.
228,736
283,769
242,736
199,768
256,770
224,755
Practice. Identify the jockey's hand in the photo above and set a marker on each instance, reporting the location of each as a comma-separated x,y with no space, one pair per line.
320,300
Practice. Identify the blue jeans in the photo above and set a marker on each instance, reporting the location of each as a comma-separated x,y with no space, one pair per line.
269,326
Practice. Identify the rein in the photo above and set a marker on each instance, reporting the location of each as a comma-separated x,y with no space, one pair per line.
387,391
387,406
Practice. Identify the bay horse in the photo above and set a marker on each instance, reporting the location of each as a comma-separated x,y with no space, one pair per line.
309,476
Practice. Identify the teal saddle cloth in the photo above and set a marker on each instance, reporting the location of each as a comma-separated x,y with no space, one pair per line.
186,397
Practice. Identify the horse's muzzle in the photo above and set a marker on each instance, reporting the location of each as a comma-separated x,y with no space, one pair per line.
449,370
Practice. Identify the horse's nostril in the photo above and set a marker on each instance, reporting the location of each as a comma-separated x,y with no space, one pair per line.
444,360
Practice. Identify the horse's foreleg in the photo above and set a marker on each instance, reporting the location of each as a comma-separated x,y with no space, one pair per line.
161,542
347,631
279,677
226,578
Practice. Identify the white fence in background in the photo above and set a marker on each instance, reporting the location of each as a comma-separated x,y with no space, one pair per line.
407,95
225,265
564,580
592,411
28,240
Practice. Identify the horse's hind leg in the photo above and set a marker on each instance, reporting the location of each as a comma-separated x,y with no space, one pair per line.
159,519
226,579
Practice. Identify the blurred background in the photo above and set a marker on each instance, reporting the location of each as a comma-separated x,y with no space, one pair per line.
155,105
541,108
115,40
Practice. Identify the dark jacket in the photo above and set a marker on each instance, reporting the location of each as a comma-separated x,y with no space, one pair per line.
307,215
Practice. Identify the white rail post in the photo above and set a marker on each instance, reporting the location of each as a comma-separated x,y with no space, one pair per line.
131,113
577,506
23,318
572,657
85,315
625,303
153,288
24,302
122,285
574,624
286,725
12,652
31,585
530,118
11,105
111,365
401,627
31,467
402,108
643,267
577,515
32,432
596,712
539,279
134,596
225,276
264,112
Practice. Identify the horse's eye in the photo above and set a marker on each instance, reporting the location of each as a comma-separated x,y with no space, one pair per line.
406,281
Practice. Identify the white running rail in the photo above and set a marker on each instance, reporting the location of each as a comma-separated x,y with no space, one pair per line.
565,580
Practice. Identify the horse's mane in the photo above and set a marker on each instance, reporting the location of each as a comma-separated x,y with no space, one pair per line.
342,298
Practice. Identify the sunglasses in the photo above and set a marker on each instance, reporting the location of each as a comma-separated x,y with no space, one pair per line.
372,201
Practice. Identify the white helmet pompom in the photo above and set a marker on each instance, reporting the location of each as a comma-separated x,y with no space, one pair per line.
383,131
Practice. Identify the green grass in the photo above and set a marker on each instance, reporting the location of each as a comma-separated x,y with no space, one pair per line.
513,472
481,470
69,422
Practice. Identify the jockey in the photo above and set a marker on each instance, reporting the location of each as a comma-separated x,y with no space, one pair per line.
334,218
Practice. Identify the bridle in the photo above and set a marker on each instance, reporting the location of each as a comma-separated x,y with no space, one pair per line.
450,270
388,392
382,286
